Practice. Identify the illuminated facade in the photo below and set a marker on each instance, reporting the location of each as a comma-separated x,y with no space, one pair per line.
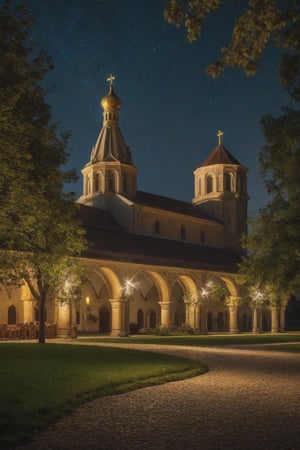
155,262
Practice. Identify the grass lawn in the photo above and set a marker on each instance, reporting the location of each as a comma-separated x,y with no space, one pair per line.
204,340
40,383
293,348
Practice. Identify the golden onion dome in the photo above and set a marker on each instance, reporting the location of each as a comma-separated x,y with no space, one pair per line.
111,101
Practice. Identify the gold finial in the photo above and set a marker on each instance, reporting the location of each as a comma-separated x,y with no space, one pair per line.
111,79
220,134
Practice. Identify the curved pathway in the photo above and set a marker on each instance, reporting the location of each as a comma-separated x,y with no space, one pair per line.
249,399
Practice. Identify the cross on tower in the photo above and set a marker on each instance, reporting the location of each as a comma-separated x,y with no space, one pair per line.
111,79
220,134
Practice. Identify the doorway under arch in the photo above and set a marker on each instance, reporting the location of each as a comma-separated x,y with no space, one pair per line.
104,320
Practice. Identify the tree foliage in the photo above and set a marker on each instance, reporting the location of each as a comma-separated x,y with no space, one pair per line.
262,22
274,241
39,235
273,244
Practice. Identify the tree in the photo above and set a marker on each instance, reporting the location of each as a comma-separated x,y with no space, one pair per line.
263,22
39,234
274,241
273,262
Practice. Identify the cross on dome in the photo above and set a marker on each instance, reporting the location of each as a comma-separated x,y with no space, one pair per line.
220,134
111,79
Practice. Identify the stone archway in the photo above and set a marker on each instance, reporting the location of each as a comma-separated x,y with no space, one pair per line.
187,312
150,293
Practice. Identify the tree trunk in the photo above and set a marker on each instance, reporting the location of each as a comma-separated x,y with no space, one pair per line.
42,318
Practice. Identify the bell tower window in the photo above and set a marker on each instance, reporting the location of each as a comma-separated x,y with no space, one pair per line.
227,182
111,182
97,183
209,184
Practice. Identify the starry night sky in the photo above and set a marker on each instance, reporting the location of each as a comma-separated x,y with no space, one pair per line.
171,110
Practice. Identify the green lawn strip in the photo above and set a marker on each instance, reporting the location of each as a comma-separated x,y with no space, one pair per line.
40,383
207,340
291,348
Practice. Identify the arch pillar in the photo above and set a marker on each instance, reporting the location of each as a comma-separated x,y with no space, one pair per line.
190,314
197,317
255,321
165,313
274,319
233,303
282,318
118,317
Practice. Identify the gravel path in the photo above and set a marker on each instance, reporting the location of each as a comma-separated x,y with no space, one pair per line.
249,399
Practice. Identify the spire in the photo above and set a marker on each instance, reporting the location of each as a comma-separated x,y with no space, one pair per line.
110,145
220,155
220,134
111,79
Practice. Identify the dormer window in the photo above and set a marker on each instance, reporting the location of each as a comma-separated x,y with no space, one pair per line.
183,232
157,227
202,236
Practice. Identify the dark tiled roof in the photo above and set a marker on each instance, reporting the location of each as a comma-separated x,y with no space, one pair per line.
220,156
96,217
118,245
170,204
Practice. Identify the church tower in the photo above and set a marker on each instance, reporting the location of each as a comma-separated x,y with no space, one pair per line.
221,192
110,169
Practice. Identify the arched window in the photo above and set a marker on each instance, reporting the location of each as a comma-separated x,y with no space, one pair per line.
152,319
209,184
157,227
183,232
12,315
97,182
209,321
140,318
227,182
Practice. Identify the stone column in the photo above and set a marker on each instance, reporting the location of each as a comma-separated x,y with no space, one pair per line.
274,320
118,317
63,321
190,314
282,318
197,313
233,303
165,314
255,323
